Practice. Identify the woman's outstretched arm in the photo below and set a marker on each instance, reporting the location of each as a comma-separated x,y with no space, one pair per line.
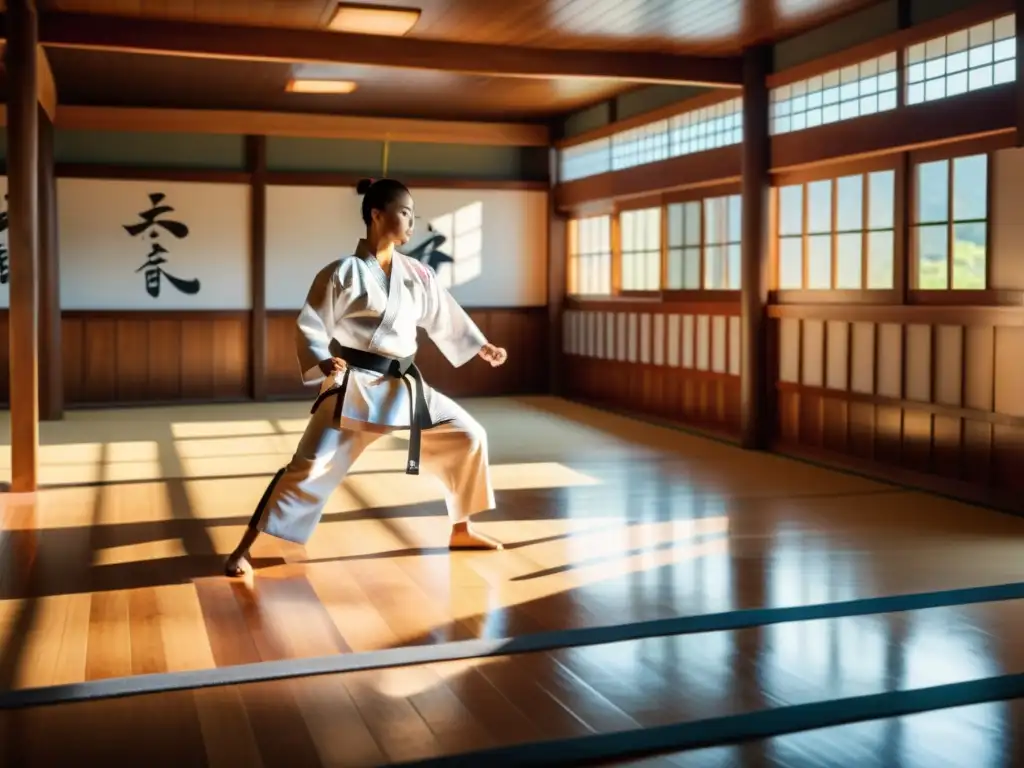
448,324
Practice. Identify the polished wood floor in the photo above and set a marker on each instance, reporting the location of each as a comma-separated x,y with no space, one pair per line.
113,570
983,735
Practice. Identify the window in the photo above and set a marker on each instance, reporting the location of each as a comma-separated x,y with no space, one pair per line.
979,57
584,160
842,94
865,231
641,249
951,217
722,243
590,256
646,144
704,258
718,125
684,246
838,233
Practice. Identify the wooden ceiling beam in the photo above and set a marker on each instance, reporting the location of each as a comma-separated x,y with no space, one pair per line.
46,88
183,38
297,125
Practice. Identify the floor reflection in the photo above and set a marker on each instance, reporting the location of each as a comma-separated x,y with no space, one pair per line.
979,736
606,521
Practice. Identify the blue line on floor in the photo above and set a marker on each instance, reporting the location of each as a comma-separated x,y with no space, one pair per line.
478,648
731,729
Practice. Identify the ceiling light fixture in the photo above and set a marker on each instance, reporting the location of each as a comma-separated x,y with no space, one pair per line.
320,86
373,19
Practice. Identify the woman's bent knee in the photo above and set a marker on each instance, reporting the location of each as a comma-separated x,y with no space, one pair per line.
473,436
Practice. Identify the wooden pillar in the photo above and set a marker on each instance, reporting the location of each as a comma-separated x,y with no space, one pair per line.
51,379
904,16
256,154
556,283
23,239
755,394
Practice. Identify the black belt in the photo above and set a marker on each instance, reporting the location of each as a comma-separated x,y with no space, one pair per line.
399,368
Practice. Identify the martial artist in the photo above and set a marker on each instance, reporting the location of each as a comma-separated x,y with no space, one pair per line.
356,335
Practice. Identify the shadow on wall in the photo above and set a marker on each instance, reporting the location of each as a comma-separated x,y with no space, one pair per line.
452,245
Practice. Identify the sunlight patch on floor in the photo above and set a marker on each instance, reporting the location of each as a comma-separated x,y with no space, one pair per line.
183,430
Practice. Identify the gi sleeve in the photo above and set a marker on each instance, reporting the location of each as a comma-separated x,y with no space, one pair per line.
447,324
315,324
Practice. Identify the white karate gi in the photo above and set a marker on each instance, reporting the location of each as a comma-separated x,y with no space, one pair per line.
353,303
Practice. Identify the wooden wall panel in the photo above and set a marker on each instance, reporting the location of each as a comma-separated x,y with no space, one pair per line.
837,357
675,362
934,397
522,331
862,357
138,358
949,349
154,357
282,366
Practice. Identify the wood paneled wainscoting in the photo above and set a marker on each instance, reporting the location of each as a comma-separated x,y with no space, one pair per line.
127,357
676,361
135,358
141,357
927,395
523,331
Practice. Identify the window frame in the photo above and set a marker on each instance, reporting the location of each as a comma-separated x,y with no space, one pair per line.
942,36
949,295
833,172
639,204
572,255
798,89
673,115
699,195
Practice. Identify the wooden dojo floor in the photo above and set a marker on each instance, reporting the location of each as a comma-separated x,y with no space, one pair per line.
113,571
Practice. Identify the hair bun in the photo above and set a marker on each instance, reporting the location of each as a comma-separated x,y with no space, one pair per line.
364,186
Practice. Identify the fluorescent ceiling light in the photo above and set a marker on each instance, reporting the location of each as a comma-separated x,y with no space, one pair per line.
320,86
373,19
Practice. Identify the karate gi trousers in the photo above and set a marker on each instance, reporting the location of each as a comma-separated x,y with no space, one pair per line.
455,452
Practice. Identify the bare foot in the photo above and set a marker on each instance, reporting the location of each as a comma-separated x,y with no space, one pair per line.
463,538
237,565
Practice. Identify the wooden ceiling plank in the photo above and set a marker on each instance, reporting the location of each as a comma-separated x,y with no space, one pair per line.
296,45
718,27
301,125
508,28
